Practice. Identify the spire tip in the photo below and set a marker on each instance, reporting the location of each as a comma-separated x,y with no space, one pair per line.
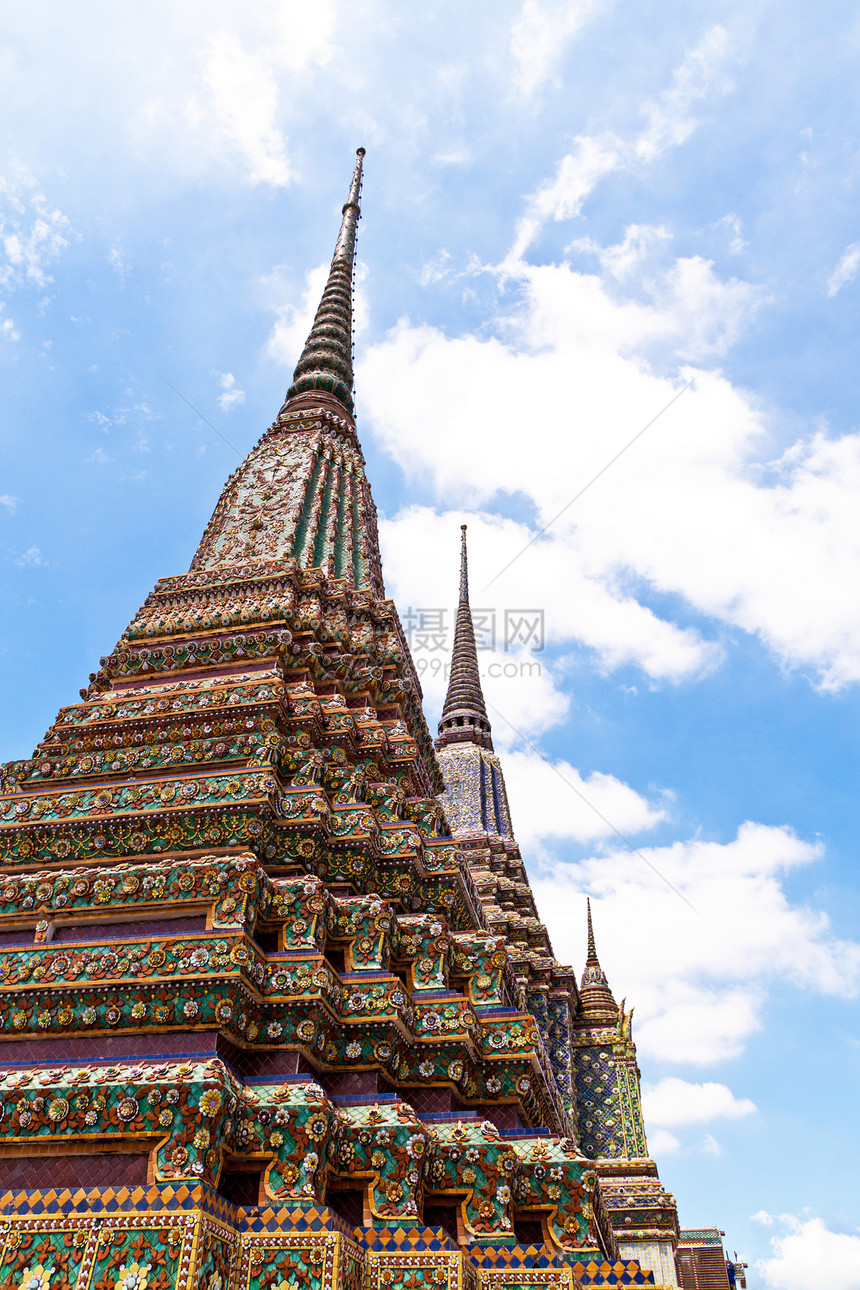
592,950
464,716
325,365
597,1004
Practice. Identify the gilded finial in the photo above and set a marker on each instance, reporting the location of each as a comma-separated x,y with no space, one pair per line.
351,212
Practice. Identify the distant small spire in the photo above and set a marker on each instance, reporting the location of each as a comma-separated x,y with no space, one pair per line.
592,950
597,1004
325,366
464,716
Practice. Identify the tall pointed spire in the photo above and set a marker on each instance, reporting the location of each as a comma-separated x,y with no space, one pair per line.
302,493
464,716
325,365
597,1002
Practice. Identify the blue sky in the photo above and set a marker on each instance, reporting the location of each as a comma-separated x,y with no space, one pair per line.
571,211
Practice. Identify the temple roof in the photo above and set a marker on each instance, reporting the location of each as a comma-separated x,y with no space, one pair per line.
464,716
325,365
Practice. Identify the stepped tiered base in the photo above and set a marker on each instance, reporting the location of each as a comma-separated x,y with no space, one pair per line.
189,1238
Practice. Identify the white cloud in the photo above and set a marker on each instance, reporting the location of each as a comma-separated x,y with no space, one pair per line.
699,977
9,501
669,122
8,329
231,395
435,269
809,1254
663,1143
639,245
577,175
98,457
28,254
697,508
704,314
32,557
300,36
545,808
244,79
540,33
243,101
554,578
732,225
223,95
846,269
458,154
673,1103
118,262
33,234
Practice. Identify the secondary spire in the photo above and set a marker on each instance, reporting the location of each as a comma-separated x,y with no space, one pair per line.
596,1000
325,365
464,716
592,958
